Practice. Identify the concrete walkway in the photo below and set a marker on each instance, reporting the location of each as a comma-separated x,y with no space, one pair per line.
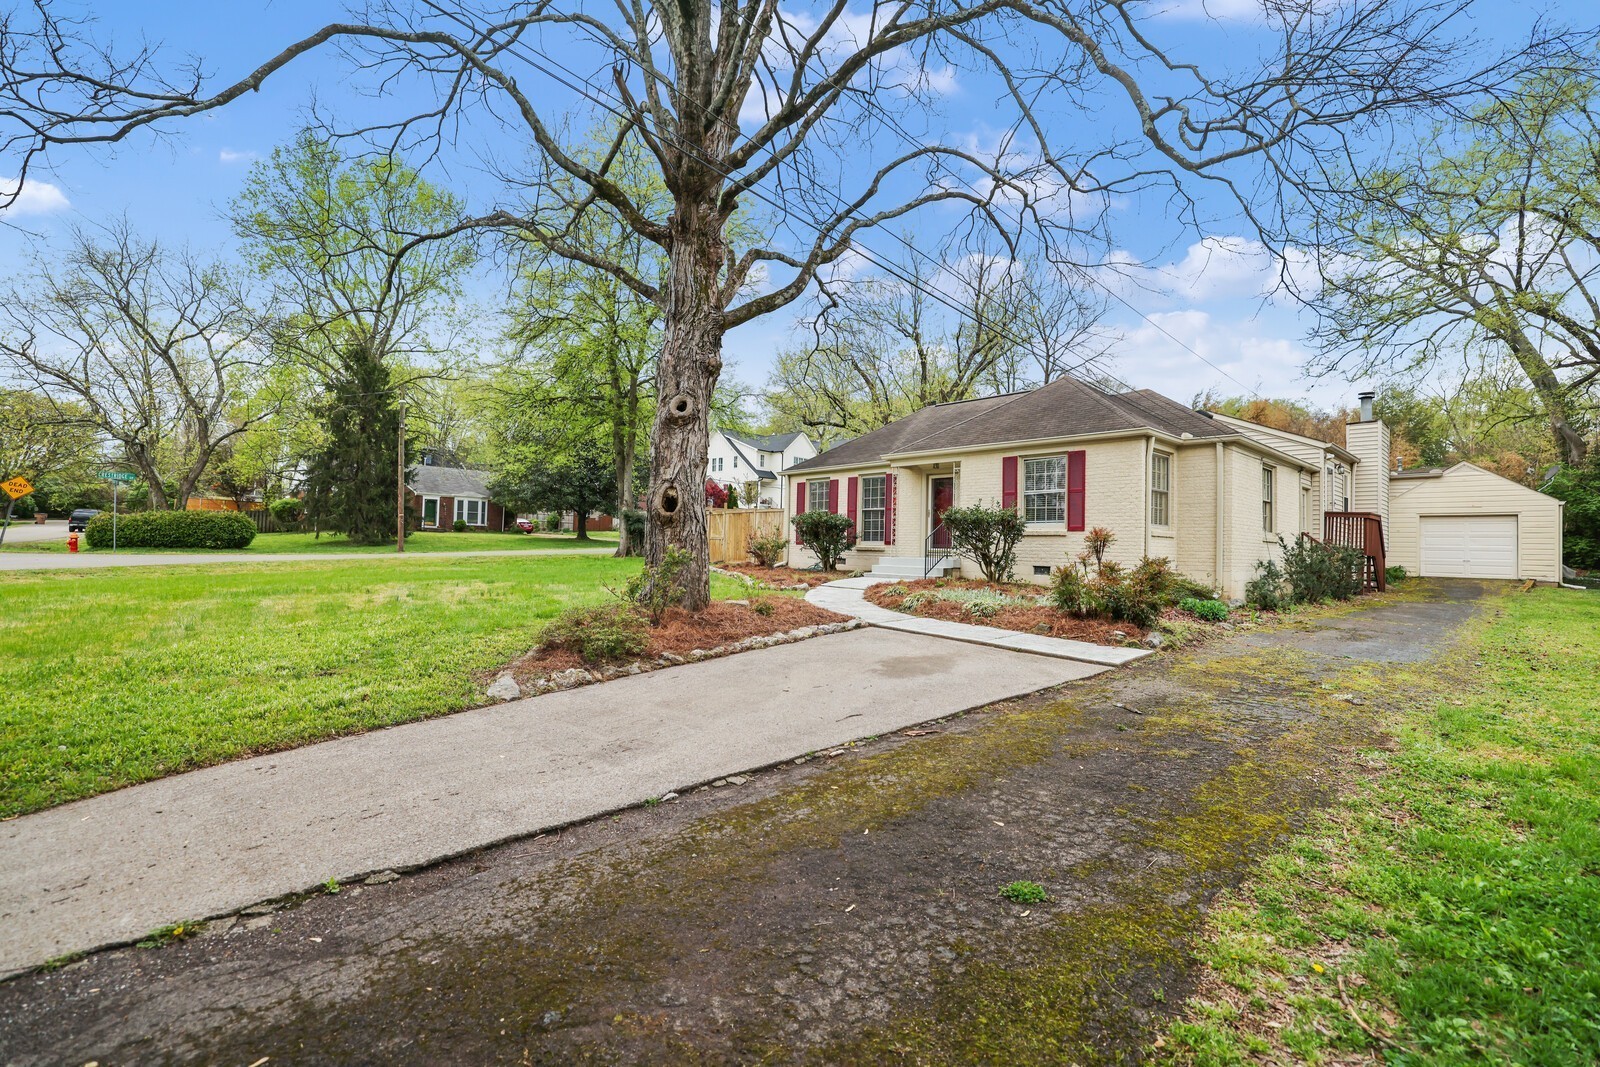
109,869
55,561
846,597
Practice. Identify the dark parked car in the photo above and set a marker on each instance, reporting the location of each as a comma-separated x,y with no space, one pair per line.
80,519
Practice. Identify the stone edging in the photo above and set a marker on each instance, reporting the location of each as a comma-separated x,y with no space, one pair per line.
506,687
757,583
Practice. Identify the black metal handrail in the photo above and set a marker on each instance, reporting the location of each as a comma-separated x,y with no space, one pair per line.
928,548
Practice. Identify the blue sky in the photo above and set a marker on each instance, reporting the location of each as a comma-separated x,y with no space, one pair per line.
1199,292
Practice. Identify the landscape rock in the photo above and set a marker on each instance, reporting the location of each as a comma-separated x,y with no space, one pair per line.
672,658
505,687
570,677
1154,640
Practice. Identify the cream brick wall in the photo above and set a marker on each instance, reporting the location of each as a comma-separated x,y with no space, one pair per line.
1246,542
909,502
1469,490
1194,504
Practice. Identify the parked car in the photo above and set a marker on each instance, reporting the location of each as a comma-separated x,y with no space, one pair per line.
525,525
80,519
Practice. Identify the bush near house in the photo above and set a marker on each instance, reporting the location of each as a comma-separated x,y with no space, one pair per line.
1310,573
172,529
768,549
829,535
987,536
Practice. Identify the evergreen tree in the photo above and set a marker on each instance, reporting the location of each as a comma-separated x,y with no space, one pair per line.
350,481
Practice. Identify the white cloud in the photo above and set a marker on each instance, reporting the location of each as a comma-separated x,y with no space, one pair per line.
35,197
230,156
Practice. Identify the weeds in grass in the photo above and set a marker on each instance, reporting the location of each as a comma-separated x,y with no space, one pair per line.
166,935
1024,893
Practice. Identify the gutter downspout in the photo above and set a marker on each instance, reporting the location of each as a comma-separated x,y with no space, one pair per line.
1149,459
1222,494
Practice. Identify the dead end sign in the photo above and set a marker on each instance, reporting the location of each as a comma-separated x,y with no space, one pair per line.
17,487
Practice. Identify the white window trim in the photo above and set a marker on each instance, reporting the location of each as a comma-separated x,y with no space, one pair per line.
1023,492
1165,494
1269,500
482,509
422,520
883,510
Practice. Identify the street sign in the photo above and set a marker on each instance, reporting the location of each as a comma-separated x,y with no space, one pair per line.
17,488
116,476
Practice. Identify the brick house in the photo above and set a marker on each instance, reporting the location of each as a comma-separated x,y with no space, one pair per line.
438,496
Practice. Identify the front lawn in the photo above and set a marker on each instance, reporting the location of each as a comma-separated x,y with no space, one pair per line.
116,676
1446,912
268,544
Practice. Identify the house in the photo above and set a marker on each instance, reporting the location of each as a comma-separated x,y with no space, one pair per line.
1211,493
751,463
438,496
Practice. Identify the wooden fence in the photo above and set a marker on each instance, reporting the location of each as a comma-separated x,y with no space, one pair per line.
730,530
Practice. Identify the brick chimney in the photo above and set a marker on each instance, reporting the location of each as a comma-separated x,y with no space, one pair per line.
1368,439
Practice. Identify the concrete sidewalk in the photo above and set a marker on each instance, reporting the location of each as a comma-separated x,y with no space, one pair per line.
54,561
846,596
109,869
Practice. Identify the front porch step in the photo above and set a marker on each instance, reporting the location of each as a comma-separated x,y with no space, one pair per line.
912,567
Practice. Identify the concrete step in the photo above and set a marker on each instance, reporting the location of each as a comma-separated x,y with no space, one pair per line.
912,567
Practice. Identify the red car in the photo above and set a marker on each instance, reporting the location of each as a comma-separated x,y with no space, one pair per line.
525,525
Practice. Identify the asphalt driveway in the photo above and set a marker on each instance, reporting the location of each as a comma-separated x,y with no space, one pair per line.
840,910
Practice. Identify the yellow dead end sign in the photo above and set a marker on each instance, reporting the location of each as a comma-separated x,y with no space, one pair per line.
17,488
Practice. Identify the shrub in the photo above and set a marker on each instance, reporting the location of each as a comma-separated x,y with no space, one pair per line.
829,535
768,549
1184,587
634,520
1127,598
1579,487
601,634
287,511
1268,590
762,607
1070,593
1096,541
552,522
173,529
988,536
716,495
1209,610
459,526
1395,574
655,589
1317,572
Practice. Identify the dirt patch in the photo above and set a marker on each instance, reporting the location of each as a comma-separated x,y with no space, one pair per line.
682,632
1043,620
783,577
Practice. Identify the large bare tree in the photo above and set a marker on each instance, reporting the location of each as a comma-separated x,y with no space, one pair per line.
155,350
745,101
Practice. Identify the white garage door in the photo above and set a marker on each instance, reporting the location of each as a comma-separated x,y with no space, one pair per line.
1469,546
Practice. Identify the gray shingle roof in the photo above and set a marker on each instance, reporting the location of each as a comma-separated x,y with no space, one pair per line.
1064,408
771,442
448,481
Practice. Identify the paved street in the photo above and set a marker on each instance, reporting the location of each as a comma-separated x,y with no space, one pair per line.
25,531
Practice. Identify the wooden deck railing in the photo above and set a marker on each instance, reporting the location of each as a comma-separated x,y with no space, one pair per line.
1362,531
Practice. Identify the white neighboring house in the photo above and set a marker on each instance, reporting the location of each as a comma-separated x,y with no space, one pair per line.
751,462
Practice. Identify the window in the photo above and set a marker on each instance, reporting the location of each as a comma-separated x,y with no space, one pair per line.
1268,504
430,511
817,495
872,511
1305,507
472,510
1160,489
735,462
1044,489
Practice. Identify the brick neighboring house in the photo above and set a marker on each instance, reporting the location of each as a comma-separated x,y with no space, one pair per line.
438,496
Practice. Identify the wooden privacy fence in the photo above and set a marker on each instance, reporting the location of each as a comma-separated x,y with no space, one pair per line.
730,530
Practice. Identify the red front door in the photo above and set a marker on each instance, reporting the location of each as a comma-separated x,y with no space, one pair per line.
944,495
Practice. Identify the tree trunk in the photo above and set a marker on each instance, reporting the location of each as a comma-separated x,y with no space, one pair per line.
690,362
622,457
580,525
152,478
1571,445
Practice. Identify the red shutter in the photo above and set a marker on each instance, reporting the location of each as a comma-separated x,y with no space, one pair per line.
1008,482
799,506
1075,489
888,509
833,496
850,501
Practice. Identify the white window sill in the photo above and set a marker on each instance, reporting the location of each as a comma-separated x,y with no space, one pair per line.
1045,530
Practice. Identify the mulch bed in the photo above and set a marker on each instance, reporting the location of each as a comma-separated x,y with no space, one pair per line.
1045,621
783,576
682,632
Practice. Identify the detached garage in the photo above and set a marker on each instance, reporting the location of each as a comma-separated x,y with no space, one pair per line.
1466,522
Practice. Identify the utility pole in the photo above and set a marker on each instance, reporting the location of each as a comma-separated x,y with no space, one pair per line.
400,487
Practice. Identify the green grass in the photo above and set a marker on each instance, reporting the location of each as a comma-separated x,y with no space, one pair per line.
123,675
268,544
1446,912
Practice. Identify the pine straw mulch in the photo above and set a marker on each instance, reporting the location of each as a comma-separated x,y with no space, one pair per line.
682,632
1043,620
783,576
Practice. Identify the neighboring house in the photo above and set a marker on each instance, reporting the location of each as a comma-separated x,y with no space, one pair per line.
438,496
1211,493
752,464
